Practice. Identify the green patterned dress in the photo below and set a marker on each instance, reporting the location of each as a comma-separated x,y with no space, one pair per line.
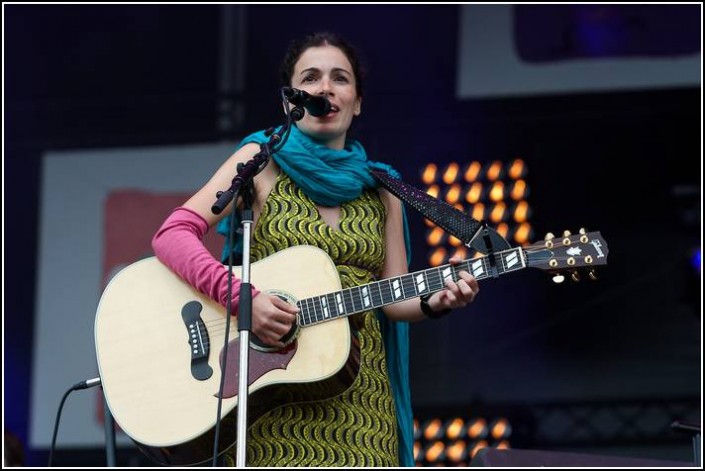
358,427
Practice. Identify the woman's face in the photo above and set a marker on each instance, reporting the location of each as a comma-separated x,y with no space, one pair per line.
325,70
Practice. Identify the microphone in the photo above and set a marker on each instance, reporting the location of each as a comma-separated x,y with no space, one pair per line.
316,105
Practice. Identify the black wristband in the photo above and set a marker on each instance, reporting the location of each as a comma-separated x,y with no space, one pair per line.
428,311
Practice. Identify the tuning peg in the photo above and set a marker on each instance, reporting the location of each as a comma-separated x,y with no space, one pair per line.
558,278
575,276
549,240
566,237
593,275
583,236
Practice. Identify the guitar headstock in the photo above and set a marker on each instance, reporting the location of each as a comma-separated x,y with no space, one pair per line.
571,253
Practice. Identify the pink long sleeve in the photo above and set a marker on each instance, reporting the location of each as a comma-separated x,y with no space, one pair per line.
179,245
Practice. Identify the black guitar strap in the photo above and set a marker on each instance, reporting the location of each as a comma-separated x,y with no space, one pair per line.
474,234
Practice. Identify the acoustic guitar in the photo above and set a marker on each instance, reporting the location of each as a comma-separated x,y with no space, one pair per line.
159,342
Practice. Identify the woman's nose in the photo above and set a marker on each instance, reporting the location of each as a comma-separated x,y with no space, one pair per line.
325,86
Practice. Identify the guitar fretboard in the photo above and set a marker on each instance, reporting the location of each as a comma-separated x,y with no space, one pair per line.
393,290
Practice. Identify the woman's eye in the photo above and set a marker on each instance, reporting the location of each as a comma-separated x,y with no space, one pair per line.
309,78
342,79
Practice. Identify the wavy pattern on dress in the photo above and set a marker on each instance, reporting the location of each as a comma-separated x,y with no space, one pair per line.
289,218
357,427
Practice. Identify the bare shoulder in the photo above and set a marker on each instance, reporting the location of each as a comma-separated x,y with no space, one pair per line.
202,201
242,155
391,203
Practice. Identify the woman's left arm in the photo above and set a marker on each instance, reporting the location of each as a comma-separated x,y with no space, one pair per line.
455,295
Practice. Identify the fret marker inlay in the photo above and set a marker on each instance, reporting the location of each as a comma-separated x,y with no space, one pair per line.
420,283
478,268
324,304
365,297
397,288
511,259
447,274
339,300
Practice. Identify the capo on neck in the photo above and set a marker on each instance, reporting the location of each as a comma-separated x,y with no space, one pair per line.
490,248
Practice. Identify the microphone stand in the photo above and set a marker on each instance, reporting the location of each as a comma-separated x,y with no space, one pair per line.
244,181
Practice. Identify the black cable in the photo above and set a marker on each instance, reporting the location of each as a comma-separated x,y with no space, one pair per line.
89,383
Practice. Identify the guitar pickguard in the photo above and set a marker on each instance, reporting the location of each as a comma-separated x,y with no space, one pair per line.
260,363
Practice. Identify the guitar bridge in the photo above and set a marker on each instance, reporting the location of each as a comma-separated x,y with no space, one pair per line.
198,340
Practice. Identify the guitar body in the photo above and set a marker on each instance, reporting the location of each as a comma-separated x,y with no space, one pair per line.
165,400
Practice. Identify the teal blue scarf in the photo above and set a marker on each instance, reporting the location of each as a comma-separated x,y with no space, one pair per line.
331,177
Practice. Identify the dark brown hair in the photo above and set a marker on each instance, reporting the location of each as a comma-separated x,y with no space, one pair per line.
298,46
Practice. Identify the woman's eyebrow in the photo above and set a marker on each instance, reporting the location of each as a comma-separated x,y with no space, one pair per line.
317,70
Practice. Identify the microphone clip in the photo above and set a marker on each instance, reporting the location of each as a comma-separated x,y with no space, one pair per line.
316,105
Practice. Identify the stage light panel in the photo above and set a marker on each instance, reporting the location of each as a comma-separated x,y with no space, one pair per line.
495,192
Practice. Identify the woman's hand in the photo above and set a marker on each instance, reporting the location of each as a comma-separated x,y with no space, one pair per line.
457,294
272,318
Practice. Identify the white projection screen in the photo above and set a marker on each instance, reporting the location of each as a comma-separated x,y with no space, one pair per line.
99,210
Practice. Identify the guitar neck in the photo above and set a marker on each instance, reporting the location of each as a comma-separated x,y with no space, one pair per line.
393,290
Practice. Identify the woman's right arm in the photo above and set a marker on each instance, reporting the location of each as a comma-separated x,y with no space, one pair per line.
179,245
